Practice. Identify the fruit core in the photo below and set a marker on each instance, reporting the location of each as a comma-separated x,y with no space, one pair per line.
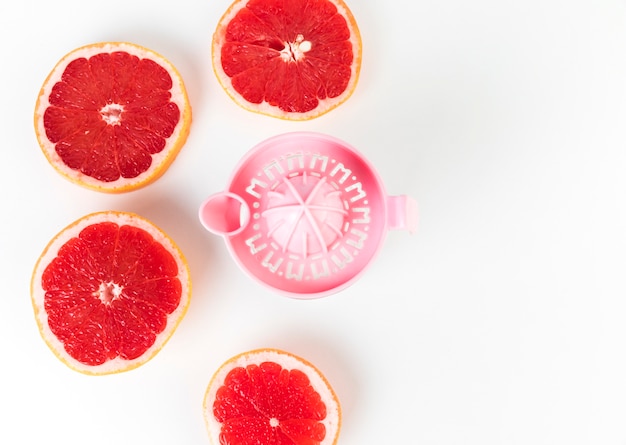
293,52
112,113
108,292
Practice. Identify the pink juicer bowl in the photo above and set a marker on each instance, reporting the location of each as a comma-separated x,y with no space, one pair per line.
305,214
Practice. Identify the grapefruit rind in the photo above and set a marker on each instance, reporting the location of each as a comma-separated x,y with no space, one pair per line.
160,161
51,251
289,361
264,108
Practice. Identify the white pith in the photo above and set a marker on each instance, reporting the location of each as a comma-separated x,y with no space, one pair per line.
51,251
332,421
111,113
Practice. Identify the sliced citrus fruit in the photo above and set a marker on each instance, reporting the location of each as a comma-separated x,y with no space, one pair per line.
108,292
112,116
268,396
294,59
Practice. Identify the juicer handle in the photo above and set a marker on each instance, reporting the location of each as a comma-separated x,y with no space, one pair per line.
402,213
224,213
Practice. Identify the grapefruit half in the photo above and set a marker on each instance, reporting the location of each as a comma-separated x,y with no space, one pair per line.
294,59
108,292
269,396
112,116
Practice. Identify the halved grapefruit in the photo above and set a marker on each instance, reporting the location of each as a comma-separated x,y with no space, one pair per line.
112,116
294,59
269,396
108,292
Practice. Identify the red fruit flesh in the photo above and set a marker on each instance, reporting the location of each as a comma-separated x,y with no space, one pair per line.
108,114
270,405
109,291
289,54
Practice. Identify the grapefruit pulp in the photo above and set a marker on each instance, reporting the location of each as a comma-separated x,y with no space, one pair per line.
108,292
112,116
268,396
294,59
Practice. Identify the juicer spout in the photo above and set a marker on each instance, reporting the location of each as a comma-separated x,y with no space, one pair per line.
402,213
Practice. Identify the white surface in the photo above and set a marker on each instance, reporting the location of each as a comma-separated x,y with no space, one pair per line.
500,322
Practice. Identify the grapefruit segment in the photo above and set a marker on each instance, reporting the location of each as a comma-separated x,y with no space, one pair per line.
112,116
109,291
272,397
293,60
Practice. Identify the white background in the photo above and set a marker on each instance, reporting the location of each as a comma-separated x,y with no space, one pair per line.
502,321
